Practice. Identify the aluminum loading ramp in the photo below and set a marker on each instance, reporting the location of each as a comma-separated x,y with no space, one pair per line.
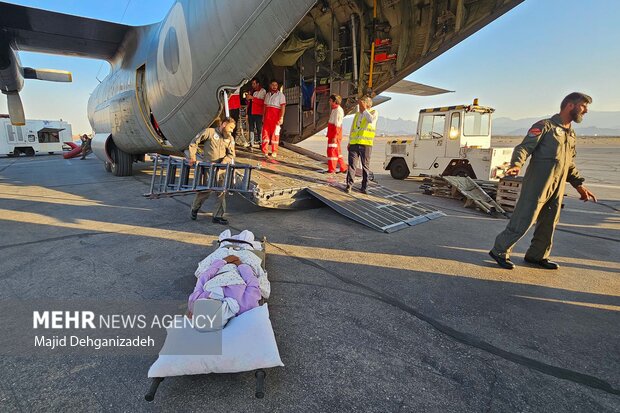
382,209
296,180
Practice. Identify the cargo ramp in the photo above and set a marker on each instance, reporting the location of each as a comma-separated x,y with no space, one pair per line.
295,180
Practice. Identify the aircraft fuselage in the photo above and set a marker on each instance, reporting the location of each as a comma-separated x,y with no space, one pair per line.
177,68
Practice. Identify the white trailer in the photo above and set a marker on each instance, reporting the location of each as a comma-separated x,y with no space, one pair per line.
454,140
36,136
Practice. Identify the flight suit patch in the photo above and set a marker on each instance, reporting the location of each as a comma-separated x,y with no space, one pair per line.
535,130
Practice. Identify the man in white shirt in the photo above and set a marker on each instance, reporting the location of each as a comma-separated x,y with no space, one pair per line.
273,117
334,136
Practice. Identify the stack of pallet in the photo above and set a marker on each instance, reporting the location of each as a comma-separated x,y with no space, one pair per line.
437,186
508,192
464,188
490,187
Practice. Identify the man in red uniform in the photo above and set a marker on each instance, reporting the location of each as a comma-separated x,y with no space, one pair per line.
334,136
256,101
273,117
234,103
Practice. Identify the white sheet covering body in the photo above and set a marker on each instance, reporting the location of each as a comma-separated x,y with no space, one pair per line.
248,343
245,255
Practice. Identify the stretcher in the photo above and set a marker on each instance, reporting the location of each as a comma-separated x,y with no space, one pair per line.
253,326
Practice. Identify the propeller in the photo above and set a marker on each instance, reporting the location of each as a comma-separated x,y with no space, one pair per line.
51,75
14,101
16,109
12,76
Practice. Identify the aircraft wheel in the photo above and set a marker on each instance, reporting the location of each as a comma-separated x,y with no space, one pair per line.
399,169
121,162
107,166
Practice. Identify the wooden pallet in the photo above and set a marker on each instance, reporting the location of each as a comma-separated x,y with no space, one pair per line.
490,187
474,193
508,192
475,196
438,186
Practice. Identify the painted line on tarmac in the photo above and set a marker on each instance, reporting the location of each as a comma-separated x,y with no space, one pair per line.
583,211
9,165
202,239
469,339
576,303
26,162
583,234
603,186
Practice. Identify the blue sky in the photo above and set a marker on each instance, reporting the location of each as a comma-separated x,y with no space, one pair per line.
522,64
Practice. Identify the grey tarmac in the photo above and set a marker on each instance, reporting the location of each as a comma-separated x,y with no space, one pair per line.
417,320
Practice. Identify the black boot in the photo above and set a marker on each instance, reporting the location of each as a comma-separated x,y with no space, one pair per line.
502,262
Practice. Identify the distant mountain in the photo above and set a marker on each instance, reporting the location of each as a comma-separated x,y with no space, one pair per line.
385,126
594,124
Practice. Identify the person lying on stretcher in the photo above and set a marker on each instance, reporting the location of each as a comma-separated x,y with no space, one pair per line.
228,281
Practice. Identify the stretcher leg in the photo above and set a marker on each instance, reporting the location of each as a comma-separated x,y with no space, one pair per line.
260,383
153,389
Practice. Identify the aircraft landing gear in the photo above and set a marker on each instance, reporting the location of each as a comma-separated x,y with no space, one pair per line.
121,162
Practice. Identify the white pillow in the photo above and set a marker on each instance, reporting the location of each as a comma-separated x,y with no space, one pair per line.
248,343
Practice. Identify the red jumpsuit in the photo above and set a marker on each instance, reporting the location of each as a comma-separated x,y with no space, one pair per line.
334,138
271,129
234,100
234,103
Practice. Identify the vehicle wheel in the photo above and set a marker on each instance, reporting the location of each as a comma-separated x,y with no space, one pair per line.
107,166
50,153
461,171
29,152
121,162
16,153
399,169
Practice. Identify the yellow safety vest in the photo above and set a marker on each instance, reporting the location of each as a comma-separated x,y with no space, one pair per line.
364,134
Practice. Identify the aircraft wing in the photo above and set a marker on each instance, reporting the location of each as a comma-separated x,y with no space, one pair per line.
35,30
408,87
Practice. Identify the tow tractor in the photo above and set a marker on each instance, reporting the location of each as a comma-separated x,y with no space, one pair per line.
454,140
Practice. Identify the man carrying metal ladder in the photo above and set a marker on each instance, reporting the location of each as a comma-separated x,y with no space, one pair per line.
219,147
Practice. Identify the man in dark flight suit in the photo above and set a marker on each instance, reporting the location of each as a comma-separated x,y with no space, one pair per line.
551,145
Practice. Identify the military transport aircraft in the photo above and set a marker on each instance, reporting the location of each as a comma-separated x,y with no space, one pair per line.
173,73
170,79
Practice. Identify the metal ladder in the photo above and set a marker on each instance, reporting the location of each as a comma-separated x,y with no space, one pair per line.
173,176
244,137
